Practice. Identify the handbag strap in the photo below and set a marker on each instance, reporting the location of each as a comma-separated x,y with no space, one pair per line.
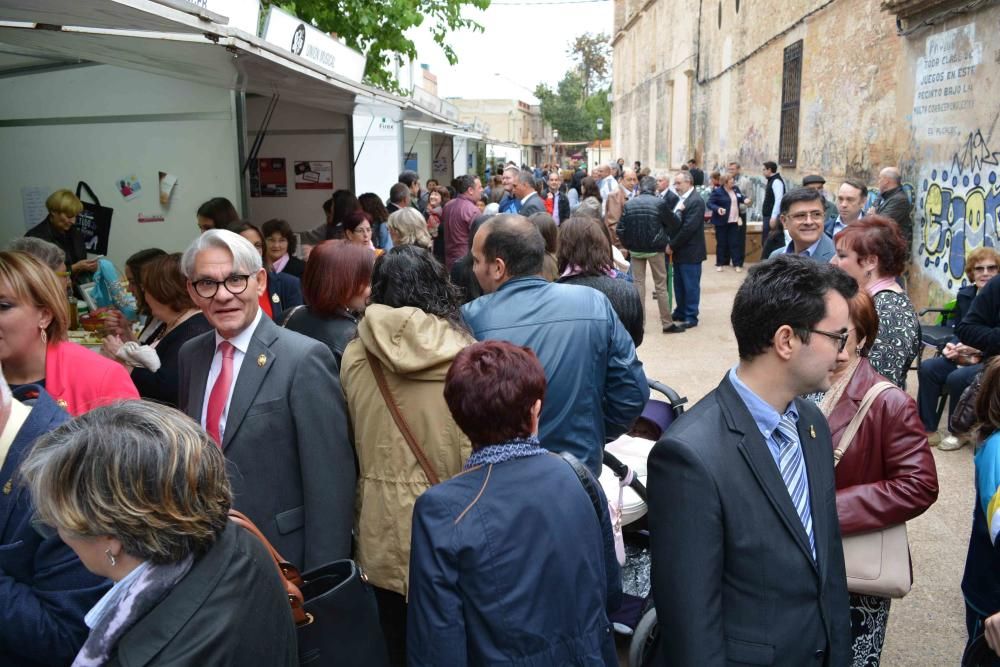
852,427
397,417
290,576
80,186
587,481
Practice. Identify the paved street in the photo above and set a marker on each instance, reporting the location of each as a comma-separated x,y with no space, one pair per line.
928,626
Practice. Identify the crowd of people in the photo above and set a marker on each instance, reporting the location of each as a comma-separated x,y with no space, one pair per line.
390,385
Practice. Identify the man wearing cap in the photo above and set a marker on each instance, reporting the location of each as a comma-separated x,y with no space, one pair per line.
816,182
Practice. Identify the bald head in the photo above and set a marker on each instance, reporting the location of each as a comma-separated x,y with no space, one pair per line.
889,178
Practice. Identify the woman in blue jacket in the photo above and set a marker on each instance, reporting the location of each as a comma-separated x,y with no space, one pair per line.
730,234
511,561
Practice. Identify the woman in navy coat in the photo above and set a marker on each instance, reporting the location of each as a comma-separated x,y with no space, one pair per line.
730,234
510,561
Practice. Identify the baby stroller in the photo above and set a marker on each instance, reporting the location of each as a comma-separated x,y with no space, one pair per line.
624,476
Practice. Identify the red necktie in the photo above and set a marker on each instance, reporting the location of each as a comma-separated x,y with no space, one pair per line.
220,392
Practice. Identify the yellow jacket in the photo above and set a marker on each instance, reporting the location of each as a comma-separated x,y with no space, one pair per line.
416,350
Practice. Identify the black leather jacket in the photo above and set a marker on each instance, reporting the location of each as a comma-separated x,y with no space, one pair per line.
640,228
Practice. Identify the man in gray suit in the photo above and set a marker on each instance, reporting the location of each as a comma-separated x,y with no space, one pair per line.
803,214
271,399
747,560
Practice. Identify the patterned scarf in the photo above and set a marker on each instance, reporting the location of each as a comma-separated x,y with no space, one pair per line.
126,607
518,448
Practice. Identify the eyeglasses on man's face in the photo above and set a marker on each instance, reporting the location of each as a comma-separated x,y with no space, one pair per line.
985,268
235,284
802,216
839,336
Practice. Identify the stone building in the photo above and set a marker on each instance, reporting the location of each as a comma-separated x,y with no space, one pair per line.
510,121
835,87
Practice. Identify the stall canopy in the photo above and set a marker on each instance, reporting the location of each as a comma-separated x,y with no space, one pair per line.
160,16
179,39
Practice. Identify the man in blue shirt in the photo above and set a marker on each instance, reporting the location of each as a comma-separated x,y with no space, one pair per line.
747,560
802,214
596,385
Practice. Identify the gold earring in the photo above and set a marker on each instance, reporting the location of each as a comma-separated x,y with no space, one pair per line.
111,557
43,335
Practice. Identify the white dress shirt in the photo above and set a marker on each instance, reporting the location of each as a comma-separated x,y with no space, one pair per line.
241,342
778,187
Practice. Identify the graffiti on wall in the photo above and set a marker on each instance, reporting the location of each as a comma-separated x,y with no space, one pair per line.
960,209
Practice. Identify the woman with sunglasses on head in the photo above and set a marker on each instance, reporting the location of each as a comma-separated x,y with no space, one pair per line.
958,364
873,252
886,475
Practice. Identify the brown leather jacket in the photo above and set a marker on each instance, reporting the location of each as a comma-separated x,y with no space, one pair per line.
888,475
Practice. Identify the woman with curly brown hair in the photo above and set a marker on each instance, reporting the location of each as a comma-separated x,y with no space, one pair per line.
140,493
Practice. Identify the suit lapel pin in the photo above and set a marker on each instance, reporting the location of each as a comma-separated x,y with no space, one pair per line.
275,298
6,488
261,360
812,431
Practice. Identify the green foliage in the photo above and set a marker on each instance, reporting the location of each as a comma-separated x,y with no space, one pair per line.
573,108
377,27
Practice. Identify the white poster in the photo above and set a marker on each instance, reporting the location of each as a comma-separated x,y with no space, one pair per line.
33,204
301,39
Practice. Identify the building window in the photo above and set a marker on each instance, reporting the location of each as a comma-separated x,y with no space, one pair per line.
737,6
791,87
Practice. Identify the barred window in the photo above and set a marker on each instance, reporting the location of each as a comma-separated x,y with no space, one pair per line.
791,88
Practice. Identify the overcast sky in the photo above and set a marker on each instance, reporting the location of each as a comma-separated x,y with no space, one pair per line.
525,44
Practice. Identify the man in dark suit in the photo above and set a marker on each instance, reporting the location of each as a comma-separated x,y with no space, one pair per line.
524,190
560,204
271,399
893,203
687,251
747,560
46,588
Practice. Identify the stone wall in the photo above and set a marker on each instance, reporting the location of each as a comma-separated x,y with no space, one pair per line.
870,97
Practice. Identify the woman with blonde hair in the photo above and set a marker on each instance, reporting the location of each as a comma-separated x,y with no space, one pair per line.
60,228
140,493
958,363
34,349
408,227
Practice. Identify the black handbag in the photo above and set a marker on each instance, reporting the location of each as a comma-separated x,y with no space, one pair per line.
963,415
94,222
334,610
979,654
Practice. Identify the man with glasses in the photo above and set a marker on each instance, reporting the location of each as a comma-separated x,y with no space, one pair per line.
803,213
747,560
271,399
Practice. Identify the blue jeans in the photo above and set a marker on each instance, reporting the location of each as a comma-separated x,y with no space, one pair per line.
934,375
687,292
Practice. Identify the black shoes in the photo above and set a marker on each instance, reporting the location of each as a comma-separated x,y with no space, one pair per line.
679,327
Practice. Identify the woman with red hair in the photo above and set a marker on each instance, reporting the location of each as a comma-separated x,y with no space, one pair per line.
511,561
873,252
336,285
886,474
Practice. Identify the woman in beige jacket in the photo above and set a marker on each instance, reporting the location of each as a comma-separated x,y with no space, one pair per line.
412,330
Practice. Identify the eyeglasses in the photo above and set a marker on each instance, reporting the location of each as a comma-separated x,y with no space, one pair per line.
802,216
989,268
235,284
841,338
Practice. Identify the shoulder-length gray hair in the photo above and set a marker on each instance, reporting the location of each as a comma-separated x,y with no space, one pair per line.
246,258
410,228
141,472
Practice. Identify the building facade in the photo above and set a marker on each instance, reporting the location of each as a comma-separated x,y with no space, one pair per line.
510,122
835,87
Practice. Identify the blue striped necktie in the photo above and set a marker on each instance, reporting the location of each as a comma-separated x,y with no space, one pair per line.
793,472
